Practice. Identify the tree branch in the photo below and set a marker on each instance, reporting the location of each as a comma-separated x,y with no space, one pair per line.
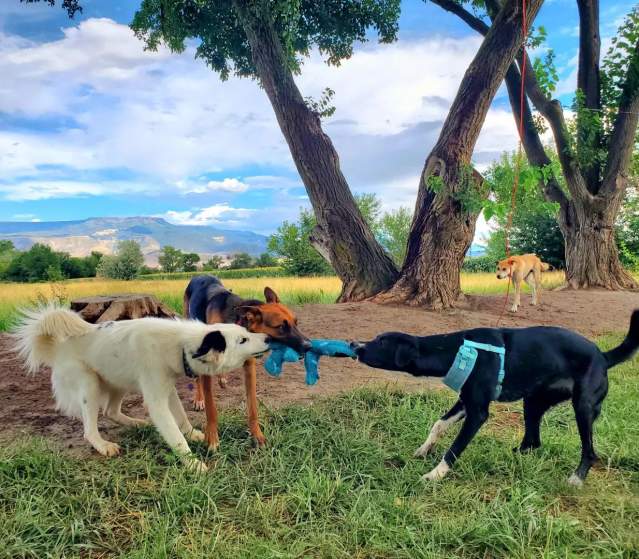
589,51
531,141
588,83
454,8
622,140
551,110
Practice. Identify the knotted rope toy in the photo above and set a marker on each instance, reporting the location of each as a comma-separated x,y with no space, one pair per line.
281,354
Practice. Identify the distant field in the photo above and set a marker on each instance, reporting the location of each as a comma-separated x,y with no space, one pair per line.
292,290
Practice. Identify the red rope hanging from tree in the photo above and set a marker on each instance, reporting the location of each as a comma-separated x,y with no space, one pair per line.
513,195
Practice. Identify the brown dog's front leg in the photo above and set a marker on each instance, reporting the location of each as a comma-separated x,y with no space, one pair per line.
250,383
210,432
198,396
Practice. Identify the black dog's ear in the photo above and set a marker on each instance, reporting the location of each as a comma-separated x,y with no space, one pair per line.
404,354
212,341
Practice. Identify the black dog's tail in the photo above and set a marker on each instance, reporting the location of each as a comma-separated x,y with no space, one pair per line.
629,346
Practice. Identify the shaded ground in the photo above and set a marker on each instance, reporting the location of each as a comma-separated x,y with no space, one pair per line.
26,404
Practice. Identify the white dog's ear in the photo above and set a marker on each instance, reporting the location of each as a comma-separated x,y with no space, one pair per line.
212,341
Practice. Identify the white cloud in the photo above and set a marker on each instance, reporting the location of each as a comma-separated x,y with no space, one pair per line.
24,217
42,189
218,214
170,120
225,185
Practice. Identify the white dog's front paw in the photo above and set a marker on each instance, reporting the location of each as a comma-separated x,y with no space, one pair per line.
424,450
196,435
513,308
196,465
533,303
575,481
437,473
108,449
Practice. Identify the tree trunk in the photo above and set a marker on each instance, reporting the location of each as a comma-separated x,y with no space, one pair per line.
440,236
592,259
358,259
104,308
446,210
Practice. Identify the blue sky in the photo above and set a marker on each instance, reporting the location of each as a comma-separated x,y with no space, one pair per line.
91,125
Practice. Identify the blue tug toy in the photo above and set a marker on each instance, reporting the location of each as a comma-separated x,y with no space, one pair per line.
281,354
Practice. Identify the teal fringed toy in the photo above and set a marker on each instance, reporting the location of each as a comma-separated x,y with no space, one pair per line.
281,353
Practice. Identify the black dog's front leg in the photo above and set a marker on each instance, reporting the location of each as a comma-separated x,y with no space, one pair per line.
475,418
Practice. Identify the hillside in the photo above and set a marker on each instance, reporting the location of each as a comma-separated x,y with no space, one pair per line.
79,238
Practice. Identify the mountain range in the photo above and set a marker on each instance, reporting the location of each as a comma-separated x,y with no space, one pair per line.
102,234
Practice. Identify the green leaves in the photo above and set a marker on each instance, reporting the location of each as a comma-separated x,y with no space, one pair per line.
333,26
546,73
621,60
322,108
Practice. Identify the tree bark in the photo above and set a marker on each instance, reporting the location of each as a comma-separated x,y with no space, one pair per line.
128,306
444,222
592,259
358,259
588,80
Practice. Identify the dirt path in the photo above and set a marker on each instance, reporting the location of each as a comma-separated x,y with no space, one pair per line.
26,404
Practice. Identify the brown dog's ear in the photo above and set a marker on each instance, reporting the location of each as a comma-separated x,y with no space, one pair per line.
270,295
511,261
250,313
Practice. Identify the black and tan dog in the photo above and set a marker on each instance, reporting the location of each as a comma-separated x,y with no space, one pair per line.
543,366
207,300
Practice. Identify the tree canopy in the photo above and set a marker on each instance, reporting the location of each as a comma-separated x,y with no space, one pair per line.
331,25
71,6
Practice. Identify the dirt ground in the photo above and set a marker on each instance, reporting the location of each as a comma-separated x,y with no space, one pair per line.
26,404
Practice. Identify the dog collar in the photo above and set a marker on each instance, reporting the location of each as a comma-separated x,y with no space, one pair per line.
187,368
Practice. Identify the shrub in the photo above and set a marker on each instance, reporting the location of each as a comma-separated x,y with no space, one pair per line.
475,264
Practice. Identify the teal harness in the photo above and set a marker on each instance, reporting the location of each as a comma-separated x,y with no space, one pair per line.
464,364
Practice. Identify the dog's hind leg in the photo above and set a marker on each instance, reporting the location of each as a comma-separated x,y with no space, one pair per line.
587,398
90,393
476,416
531,280
535,406
440,427
113,410
175,404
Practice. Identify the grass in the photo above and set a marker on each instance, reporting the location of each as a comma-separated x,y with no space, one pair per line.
336,480
292,290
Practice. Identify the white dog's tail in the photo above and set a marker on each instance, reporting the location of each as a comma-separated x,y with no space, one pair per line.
40,330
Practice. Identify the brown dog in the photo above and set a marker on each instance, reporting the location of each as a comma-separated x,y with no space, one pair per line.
207,300
528,268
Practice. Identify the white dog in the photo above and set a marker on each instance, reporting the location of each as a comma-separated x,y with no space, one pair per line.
94,366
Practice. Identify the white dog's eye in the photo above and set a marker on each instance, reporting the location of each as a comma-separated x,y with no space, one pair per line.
243,340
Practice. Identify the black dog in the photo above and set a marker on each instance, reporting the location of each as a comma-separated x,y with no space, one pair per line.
544,366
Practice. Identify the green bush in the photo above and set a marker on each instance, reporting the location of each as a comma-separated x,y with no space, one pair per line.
475,264
270,272
124,265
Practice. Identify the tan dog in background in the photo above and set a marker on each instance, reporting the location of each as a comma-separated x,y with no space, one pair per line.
528,268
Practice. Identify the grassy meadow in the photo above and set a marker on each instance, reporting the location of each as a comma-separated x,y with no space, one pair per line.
292,290
337,480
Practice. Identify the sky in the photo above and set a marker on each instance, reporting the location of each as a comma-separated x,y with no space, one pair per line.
92,125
